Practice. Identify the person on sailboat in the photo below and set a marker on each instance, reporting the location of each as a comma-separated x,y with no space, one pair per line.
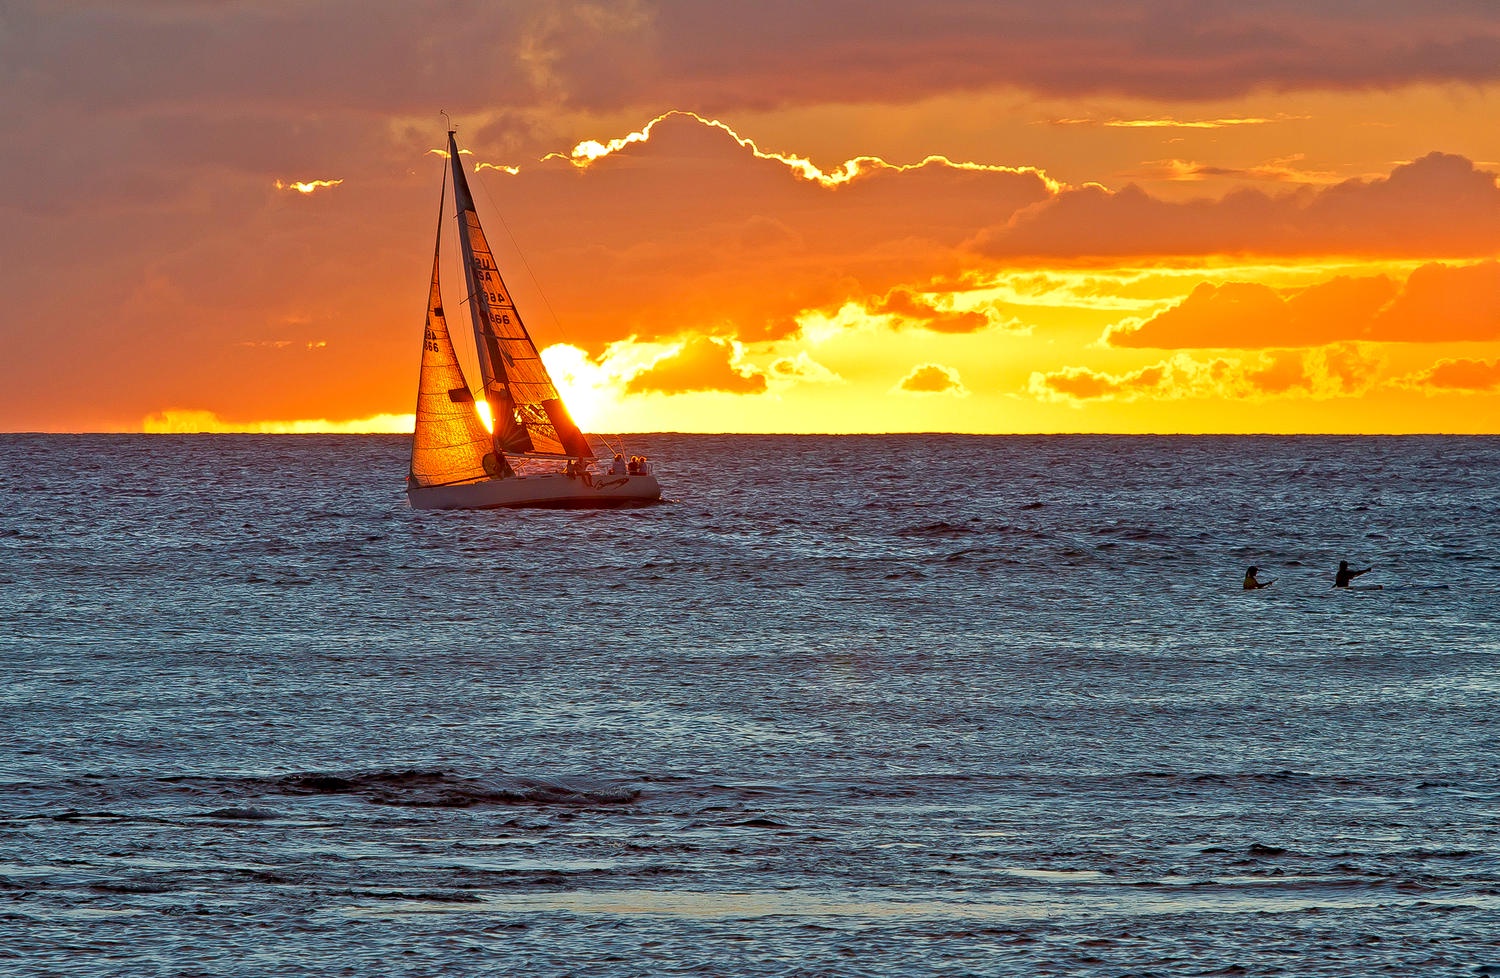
644,468
634,467
617,467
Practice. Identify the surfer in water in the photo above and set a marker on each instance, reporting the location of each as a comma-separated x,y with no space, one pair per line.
1345,575
1251,584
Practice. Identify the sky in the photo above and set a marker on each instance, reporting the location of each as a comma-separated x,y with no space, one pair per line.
992,217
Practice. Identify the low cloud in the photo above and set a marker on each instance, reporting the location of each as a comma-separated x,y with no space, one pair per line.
307,186
188,421
932,378
1437,206
1249,315
1284,170
702,363
804,369
1444,303
1167,122
1436,304
1460,374
285,344
1337,370
910,308
1077,384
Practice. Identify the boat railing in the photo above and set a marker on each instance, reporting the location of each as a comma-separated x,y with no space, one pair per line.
453,482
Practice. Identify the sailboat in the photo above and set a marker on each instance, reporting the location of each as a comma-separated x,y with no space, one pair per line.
532,453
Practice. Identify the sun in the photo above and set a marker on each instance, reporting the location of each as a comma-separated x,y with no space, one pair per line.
582,384
584,387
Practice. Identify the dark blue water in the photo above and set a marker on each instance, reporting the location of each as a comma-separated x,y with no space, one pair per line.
904,705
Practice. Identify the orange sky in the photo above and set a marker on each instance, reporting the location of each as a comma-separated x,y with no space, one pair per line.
1114,217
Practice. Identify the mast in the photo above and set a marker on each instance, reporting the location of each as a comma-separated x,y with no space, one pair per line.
528,414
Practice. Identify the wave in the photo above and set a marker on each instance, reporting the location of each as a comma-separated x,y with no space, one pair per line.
107,799
443,789
248,813
243,798
419,896
941,528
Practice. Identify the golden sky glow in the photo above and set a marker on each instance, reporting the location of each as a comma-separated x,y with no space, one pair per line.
985,218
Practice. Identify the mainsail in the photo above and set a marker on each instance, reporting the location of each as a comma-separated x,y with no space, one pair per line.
449,443
529,416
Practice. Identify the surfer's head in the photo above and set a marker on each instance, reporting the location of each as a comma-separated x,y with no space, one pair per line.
1343,565
1253,571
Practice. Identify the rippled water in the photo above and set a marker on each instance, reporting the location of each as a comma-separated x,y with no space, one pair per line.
903,705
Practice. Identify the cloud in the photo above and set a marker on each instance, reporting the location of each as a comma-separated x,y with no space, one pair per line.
803,368
284,344
1437,206
1337,370
1444,303
1279,372
759,233
1341,369
386,55
1249,315
725,55
1166,122
182,421
1436,304
306,186
1086,384
590,150
1281,170
1461,374
907,307
702,363
690,230
931,378
1154,48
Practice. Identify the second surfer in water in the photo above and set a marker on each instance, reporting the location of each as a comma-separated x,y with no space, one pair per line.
1252,584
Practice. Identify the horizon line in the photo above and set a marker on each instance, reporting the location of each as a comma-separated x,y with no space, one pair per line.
792,434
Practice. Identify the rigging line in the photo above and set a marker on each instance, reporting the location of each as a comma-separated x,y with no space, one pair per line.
616,447
500,214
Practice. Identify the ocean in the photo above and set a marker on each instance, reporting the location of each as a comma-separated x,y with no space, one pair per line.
898,705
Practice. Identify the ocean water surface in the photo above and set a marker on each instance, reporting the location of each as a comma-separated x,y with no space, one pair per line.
857,705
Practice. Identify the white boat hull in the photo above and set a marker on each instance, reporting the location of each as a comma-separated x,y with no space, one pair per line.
552,490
